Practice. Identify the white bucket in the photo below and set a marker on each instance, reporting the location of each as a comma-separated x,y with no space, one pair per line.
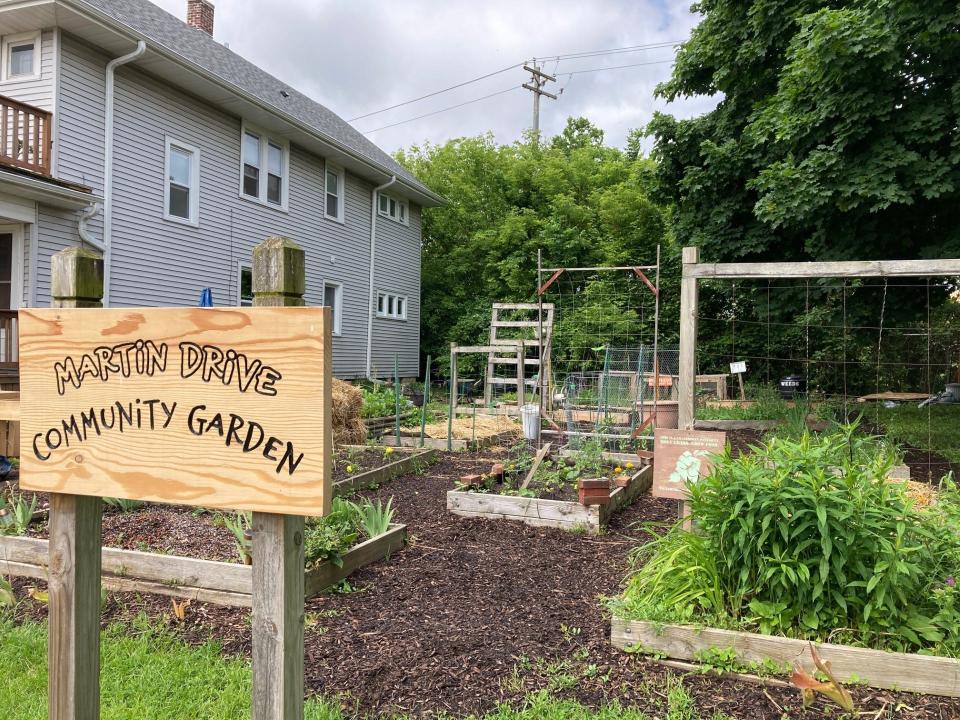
531,421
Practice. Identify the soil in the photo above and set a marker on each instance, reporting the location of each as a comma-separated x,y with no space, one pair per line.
476,612
166,530
361,460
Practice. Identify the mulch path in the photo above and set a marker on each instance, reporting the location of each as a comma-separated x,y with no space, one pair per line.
476,612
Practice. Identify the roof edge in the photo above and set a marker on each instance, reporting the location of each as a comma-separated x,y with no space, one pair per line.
429,197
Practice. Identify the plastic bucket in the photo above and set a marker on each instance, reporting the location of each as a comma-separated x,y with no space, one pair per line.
530,415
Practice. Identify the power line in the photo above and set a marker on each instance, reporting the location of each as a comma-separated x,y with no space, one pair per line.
438,92
615,67
506,90
612,51
442,110
567,56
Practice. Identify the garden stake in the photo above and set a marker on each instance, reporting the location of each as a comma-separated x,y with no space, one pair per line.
453,397
396,393
426,401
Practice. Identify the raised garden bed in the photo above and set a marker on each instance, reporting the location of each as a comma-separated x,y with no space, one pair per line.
891,670
413,441
543,512
223,583
398,462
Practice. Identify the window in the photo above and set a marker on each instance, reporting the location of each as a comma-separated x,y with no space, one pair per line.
245,295
392,208
183,183
335,190
251,165
21,56
264,167
333,299
390,305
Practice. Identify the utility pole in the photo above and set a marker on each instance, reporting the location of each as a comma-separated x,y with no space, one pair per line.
538,79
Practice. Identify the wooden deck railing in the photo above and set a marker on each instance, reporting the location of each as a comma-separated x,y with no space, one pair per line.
25,138
9,357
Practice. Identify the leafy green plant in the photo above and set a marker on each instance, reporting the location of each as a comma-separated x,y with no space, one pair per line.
7,597
239,524
16,514
805,537
381,401
375,518
123,504
764,403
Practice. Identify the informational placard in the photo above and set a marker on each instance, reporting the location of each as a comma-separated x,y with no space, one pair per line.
681,458
738,367
224,408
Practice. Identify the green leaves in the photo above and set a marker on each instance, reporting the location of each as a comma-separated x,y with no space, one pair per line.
837,130
805,537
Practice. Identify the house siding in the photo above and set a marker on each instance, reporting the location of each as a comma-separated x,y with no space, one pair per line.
156,262
37,91
397,270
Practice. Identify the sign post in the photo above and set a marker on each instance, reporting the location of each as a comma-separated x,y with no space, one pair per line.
216,407
73,649
739,368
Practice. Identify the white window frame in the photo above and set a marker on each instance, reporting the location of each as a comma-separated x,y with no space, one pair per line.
337,307
241,266
194,219
390,305
12,41
342,186
402,216
265,140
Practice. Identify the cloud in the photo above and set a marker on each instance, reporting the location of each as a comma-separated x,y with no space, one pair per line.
357,57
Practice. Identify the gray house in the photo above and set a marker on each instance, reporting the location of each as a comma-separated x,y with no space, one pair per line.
129,130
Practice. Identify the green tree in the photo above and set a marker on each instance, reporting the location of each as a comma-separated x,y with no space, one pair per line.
580,202
835,135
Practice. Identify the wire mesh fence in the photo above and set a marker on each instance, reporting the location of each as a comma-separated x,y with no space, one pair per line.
883,352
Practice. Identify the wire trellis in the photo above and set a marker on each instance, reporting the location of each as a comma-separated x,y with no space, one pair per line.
850,340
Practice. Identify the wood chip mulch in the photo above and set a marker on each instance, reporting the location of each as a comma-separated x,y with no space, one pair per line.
478,612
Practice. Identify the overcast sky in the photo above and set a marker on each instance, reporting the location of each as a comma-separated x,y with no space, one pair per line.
357,56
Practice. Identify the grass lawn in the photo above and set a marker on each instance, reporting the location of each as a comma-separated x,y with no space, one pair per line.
935,428
146,673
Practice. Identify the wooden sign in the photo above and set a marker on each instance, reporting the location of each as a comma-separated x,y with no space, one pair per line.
226,408
681,457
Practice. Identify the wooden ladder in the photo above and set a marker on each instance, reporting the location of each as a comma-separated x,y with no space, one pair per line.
519,359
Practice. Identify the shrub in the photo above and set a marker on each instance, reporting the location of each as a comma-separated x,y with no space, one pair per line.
806,537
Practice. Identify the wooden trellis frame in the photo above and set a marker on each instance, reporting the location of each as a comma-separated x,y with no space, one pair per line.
640,271
694,271
541,339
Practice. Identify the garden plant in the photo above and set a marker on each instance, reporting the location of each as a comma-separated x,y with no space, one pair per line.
807,537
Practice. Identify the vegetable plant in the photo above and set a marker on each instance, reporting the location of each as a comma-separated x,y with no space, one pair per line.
327,538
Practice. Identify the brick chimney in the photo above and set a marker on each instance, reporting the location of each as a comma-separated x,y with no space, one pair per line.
200,15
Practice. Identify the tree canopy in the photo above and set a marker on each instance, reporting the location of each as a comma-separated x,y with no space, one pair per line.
579,201
836,135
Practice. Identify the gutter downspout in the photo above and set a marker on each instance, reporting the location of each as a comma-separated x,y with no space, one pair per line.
88,214
373,248
108,163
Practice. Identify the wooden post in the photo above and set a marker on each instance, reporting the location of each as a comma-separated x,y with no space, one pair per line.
73,650
688,340
278,563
